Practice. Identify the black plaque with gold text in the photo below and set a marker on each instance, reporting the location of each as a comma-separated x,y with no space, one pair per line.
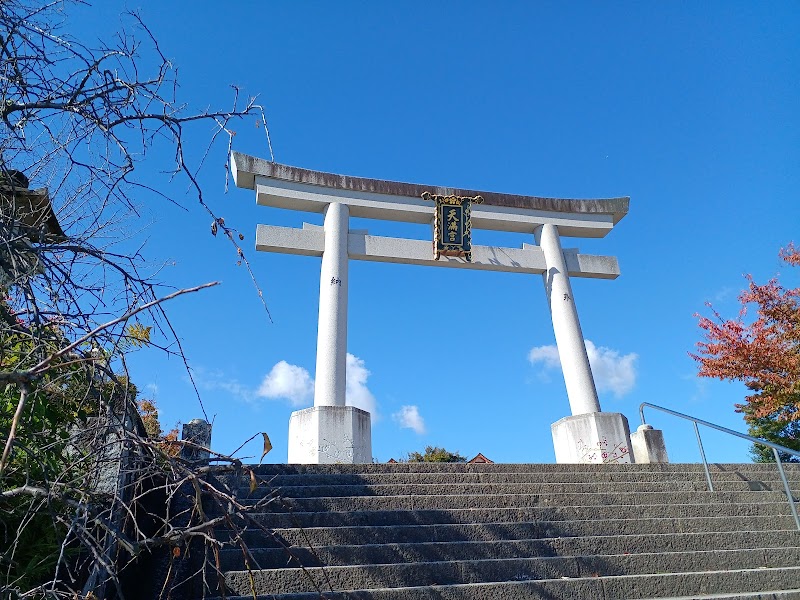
452,225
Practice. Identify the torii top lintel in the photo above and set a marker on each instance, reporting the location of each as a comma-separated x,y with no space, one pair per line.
295,188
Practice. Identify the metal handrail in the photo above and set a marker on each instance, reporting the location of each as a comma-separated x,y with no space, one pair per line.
775,449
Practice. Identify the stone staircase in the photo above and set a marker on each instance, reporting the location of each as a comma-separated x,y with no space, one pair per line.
514,531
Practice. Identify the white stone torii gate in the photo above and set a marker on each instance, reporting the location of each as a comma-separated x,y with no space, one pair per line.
330,431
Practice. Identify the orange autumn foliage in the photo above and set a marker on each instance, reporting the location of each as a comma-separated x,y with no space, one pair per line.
763,352
148,411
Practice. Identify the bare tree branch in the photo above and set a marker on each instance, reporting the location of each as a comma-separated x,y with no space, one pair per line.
85,492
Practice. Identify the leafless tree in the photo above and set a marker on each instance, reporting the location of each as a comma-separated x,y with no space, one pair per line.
83,488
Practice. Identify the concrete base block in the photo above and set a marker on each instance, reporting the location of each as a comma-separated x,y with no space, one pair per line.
648,445
330,434
601,437
198,432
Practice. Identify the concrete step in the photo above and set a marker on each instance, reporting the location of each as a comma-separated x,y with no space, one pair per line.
366,554
693,584
405,478
491,532
482,545
767,595
403,574
513,531
471,489
447,502
510,515
593,469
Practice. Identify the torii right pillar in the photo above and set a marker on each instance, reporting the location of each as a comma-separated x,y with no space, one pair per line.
589,435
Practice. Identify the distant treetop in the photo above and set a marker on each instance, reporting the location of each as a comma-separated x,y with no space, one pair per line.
436,454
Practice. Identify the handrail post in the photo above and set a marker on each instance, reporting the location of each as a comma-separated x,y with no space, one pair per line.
703,456
787,488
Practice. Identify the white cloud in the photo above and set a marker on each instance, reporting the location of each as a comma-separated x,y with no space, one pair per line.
409,417
294,383
545,354
213,380
289,382
234,387
612,371
358,394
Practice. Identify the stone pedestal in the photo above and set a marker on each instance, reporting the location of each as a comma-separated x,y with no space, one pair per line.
198,432
647,445
330,434
598,437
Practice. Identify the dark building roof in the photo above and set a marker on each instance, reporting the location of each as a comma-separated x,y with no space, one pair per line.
480,459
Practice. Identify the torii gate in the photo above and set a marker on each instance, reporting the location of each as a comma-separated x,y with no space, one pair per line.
330,431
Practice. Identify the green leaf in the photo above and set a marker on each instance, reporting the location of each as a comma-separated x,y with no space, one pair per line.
138,335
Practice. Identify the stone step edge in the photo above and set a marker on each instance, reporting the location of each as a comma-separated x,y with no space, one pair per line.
700,480
507,583
541,521
324,547
706,496
536,467
279,489
484,561
732,595
692,475
578,538
707,493
727,595
722,594
311,530
276,531
790,531
545,506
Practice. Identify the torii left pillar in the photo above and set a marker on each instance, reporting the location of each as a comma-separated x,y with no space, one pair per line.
331,431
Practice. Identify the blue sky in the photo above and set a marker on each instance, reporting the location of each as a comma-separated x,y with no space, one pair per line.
689,109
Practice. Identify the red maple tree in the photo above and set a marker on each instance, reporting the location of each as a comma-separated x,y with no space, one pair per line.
763,352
